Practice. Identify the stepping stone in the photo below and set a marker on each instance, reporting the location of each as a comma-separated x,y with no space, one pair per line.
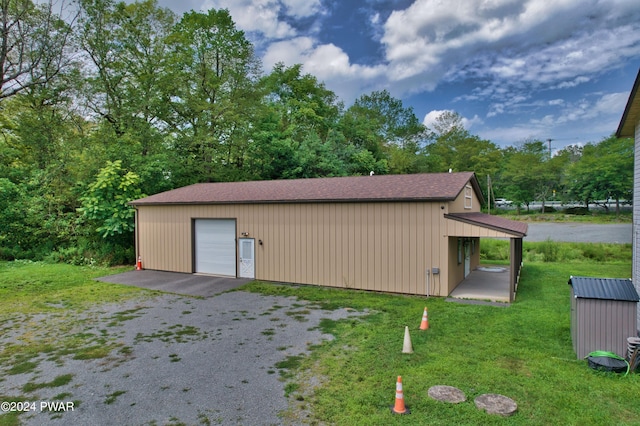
447,394
496,404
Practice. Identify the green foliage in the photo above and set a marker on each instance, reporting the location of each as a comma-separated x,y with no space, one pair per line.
105,202
549,251
211,119
183,99
492,250
10,214
605,170
529,174
313,158
33,48
457,149
380,124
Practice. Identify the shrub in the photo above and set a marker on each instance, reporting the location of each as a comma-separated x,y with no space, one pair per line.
549,251
552,251
581,211
491,249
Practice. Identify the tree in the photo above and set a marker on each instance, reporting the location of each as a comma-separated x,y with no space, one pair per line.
381,124
302,104
447,122
12,233
34,41
455,148
126,90
315,158
213,94
529,174
604,171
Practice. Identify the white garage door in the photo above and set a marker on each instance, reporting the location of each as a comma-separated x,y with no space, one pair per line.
215,246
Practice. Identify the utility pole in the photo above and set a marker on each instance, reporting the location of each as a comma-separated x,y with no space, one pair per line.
549,142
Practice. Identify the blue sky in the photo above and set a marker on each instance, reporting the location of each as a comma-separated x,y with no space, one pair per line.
515,70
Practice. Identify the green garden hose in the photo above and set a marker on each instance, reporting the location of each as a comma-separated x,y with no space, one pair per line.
609,355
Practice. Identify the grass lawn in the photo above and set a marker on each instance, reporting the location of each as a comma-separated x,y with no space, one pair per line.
34,287
523,351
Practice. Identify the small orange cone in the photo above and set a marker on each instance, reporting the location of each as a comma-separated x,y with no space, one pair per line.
399,407
139,264
424,325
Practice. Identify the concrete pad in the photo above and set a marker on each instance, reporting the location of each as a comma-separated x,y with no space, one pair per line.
447,394
486,283
175,282
496,404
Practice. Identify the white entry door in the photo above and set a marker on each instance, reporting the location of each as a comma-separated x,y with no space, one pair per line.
215,246
247,258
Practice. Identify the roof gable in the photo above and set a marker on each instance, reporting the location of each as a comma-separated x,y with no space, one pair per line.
415,187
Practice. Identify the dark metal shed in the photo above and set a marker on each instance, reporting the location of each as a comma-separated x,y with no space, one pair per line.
603,314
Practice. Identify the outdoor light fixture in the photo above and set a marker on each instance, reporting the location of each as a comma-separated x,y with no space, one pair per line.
245,234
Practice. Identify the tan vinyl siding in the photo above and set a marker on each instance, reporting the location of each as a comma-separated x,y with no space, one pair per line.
458,205
384,246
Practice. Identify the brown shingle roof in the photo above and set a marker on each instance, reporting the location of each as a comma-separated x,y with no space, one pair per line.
492,222
428,187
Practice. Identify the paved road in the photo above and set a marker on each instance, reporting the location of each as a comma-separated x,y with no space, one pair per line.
580,232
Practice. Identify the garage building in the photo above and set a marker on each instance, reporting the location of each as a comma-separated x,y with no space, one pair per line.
412,234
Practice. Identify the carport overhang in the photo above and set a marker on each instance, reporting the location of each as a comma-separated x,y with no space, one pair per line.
480,225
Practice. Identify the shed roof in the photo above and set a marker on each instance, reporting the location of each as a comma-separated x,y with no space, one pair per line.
604,288
415,187
631,115
496,223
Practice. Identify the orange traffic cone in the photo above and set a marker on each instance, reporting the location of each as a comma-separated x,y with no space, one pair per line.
399,407
424,325
139,264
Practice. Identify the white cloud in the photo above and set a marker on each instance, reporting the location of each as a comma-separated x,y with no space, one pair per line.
264,16
511,41
511,135
374,19
302,8
580,121
512,49
328,63
605,108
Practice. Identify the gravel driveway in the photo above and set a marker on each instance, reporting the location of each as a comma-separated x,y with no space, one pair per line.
178,360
